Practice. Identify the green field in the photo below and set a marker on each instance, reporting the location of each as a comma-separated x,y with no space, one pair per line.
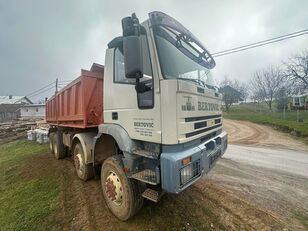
26,202
258,113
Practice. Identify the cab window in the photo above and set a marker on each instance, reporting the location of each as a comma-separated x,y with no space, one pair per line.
145,99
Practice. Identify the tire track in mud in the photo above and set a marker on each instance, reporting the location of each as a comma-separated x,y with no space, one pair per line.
74,208
81,202
235,212
276,194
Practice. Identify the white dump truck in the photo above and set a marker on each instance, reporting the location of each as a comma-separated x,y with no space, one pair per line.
147,122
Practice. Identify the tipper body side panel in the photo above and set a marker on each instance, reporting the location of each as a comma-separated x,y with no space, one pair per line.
79,104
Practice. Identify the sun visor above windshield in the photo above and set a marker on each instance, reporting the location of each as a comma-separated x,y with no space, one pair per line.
161,19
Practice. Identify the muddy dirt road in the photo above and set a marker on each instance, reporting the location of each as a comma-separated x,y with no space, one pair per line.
291,161
251,134
245,190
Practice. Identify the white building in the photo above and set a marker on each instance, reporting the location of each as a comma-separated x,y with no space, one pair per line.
32,111
10,107
13,99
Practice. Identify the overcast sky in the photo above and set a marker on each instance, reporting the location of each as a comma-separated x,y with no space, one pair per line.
44,40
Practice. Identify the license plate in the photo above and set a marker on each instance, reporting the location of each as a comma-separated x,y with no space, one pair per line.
215,156
210,123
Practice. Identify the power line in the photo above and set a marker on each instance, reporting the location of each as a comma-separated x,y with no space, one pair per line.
48,87
41,92
69,80
267,40
215,54
30,95
260,43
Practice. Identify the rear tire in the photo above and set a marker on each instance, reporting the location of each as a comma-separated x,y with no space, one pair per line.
58,147
84,171
51,142
122,194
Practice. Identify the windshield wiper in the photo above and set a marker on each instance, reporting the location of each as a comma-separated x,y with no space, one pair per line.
203,57
198,81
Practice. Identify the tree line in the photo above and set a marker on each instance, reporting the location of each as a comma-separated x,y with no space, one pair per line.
271,83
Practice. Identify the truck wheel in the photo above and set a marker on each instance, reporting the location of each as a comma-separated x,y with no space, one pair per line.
122,194
51,142
58,146
84,171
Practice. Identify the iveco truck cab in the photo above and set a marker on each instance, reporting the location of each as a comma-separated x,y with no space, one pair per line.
161,126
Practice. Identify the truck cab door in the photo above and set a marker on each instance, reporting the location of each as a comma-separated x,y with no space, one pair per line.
137,112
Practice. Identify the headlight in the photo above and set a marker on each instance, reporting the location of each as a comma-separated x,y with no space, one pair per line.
190,172
186,174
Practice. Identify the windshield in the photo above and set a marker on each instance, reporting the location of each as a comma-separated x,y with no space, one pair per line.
180,53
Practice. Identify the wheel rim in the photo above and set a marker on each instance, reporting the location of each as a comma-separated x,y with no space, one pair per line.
78,162
113,188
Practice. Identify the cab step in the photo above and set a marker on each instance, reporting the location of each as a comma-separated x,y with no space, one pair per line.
146,176
152,195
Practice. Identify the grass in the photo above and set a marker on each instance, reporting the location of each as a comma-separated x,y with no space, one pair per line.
302,218
286,122
25,203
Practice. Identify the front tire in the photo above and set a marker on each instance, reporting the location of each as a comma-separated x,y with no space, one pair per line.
122,194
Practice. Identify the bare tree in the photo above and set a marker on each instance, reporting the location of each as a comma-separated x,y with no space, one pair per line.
244,90
265,84
297,71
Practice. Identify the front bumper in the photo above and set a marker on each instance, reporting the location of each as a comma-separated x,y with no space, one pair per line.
175,177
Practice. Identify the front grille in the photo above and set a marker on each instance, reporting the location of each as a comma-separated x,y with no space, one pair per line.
190,134
190,172
217,121
191,119
200,125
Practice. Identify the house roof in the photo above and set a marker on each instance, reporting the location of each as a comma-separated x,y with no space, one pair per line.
13,99
33,105
229,89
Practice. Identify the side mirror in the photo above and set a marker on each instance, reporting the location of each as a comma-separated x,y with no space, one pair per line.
132,49
133,59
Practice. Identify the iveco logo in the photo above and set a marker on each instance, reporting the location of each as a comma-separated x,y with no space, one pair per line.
189,105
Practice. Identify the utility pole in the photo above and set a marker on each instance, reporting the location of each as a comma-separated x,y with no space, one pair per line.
56,101
56,85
